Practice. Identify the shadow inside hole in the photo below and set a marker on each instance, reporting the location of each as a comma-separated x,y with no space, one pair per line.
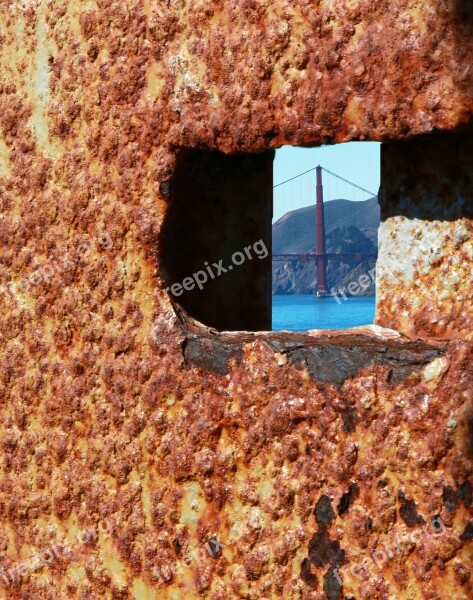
463,17
219,215
429,178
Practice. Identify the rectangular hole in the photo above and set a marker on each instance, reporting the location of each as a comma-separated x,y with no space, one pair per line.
216,245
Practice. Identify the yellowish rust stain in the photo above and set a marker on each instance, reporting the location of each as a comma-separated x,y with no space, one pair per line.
110,559
4,165
141,591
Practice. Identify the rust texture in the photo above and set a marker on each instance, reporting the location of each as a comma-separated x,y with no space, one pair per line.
144,456
425,276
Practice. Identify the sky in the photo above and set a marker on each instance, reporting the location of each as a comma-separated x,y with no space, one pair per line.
356,161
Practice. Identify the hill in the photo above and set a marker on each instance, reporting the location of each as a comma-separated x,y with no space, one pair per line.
349,226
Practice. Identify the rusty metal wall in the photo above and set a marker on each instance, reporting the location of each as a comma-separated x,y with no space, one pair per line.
425,276
144,456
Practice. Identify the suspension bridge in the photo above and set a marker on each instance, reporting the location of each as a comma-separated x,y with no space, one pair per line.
319,254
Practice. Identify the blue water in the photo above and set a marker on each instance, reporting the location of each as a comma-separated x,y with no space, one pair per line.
299,313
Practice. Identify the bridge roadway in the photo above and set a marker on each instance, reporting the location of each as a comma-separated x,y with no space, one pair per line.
304,257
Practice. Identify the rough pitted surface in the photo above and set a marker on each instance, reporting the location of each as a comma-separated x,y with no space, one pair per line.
424,273
129,468
305,72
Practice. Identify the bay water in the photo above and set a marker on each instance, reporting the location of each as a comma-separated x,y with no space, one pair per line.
303,312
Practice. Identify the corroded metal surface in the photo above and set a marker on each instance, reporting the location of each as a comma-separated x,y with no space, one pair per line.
307,486
424,272
129,468
305,72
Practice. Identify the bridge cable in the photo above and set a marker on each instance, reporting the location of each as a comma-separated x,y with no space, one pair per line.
346,181
327,171
292,178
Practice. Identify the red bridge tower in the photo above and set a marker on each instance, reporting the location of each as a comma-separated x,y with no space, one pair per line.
320,238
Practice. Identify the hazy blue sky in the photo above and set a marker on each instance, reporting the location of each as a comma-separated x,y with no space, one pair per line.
356,161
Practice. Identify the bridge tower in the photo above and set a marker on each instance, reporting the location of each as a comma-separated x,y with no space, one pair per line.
320,238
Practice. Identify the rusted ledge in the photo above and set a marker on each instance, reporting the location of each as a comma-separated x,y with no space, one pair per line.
329,356
211,354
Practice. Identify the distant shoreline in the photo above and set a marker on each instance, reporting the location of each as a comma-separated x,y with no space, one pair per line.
312,294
